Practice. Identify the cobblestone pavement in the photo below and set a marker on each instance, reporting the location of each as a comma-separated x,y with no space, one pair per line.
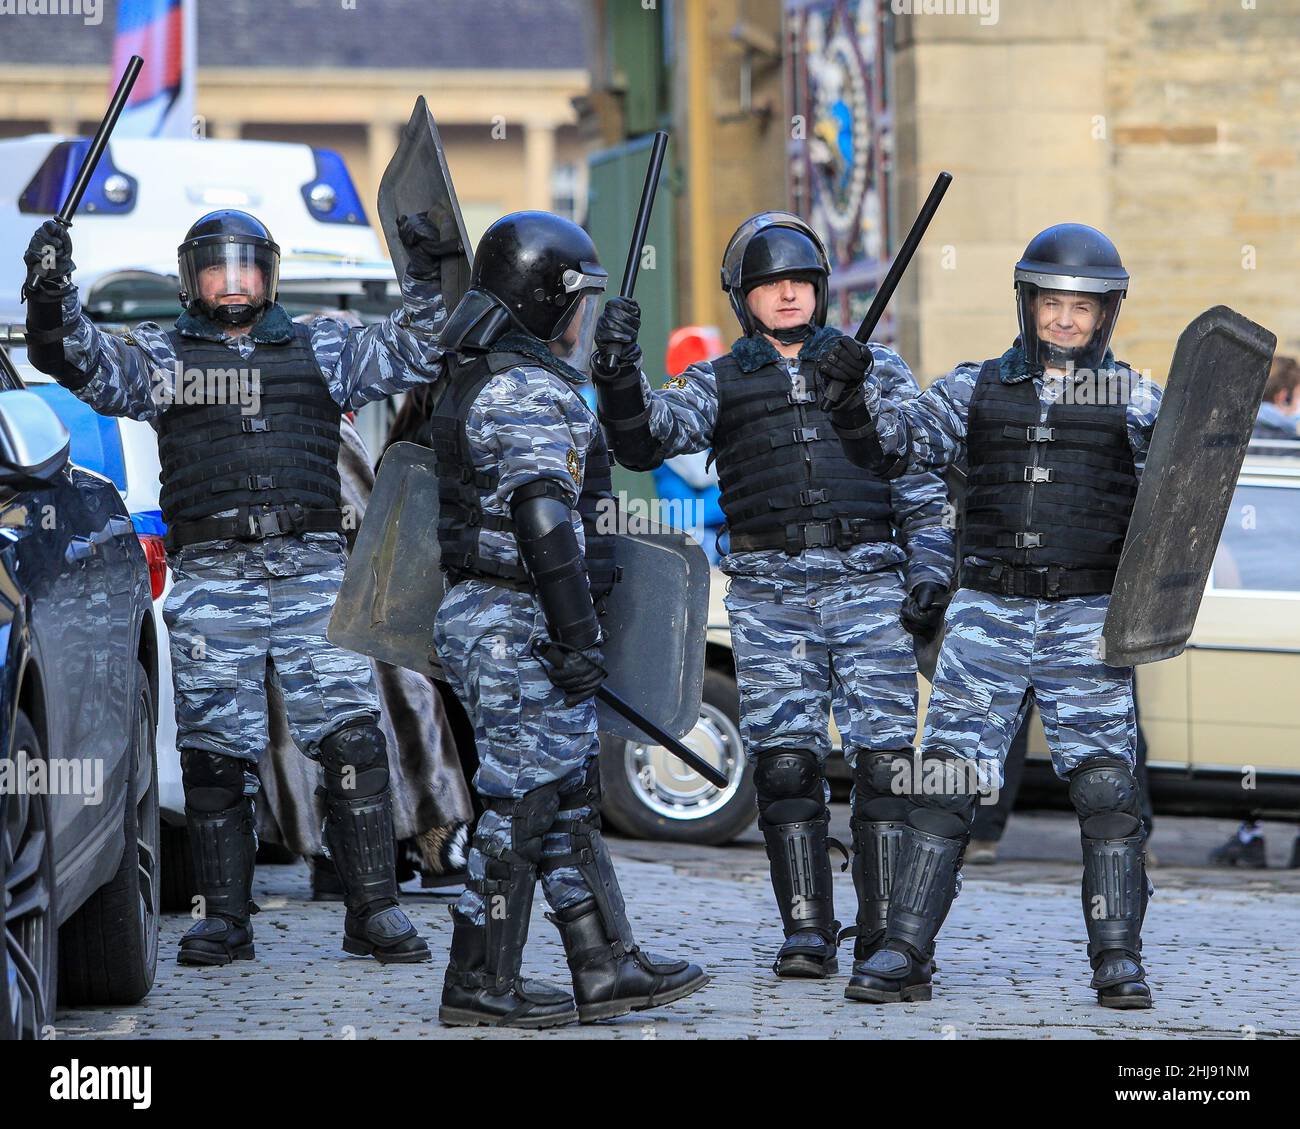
1220,950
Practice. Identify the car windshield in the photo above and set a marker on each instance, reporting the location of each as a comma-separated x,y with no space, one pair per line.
96,440
1257,552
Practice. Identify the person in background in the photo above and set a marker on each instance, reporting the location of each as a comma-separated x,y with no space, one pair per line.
1279,414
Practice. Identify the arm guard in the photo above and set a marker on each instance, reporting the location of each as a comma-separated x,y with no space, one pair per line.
623,412
549,549
46,331
857,432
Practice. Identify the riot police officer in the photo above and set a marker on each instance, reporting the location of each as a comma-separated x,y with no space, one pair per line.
1053,435
247,406
828,566
523,473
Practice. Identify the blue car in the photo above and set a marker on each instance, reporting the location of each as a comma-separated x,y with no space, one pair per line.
79,823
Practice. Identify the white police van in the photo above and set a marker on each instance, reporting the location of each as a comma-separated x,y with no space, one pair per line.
144,196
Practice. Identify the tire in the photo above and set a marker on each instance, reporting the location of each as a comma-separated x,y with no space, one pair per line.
178,883
29,963
648,795
108,950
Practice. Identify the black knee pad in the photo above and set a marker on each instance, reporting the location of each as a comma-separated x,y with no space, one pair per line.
1103,785
945,824
945,787
789,786
212,781
355,759
530,818
877,778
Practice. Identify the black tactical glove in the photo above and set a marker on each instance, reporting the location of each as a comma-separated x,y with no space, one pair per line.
49,255
578,672
616,330
841,371
922,611
424,248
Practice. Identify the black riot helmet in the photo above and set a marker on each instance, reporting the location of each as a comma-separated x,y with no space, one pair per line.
1071,259
240,244
769,246
536,272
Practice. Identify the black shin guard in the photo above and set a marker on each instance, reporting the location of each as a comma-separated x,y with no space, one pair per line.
795,823
1114,889
359,834
878,819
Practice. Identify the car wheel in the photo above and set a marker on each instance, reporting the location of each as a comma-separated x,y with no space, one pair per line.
108,950
29,962
649,794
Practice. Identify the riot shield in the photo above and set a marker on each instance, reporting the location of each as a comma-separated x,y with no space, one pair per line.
1206,416
655,619
393,585
417,180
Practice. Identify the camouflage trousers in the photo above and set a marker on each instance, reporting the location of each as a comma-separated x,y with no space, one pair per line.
526,736
997,651
815,638
238,614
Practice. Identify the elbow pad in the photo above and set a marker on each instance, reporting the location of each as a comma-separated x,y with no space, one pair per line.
549,550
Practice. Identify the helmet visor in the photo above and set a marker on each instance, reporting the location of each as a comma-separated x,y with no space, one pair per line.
575,343
1063,328
223,272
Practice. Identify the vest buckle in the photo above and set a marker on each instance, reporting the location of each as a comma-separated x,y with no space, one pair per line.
813,497
261,482
1029,540
1038,474
255,424
806,434
1040,434
800,397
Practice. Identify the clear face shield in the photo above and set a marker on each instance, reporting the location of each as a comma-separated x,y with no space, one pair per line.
1066,329
574,343
230,274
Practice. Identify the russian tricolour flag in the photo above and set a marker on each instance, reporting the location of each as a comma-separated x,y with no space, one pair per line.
162,33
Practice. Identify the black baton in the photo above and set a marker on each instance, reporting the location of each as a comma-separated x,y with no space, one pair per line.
609,361
91,159
667,740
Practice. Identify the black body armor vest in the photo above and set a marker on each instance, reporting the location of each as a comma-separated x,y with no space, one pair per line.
1050,501
216,456
461,485
786,483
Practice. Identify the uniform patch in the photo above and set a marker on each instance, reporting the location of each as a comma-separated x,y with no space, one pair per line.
675,382
575,468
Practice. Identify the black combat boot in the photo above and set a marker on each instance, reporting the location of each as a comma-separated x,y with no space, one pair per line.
611,975
925,884
359,834
1114,904
793,818
224,848
483,985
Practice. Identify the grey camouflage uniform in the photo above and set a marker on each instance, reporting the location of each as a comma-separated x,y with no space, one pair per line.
525,425
236,606
997,649
820,630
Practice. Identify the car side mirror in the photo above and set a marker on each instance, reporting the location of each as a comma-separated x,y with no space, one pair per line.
34,443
